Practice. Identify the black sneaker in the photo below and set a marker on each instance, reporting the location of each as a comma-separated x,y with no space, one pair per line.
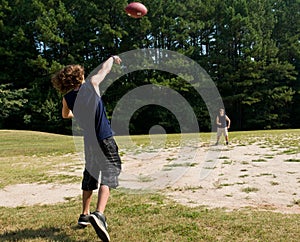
98,221
84,220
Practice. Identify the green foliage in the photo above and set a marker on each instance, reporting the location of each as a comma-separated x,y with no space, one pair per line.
251,50
11,101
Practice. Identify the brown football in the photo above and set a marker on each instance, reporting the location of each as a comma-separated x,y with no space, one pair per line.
136,10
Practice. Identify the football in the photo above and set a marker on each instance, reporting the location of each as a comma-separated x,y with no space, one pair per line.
136,10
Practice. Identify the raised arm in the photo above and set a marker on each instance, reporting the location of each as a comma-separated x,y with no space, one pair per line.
104,70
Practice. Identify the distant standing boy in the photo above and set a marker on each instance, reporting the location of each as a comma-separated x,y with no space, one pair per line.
83,101
223,124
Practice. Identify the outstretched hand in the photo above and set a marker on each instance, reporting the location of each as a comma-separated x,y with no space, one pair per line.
117,59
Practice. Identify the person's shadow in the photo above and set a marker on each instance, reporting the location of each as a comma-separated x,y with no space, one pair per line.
49,234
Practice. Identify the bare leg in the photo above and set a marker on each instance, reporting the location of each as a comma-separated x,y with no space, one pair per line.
218,138
103,195
97,218
86,201
226,138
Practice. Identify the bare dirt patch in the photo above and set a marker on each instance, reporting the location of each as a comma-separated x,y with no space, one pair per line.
238,177
37,194
241,176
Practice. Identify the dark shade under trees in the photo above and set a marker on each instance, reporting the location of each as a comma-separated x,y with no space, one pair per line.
250,49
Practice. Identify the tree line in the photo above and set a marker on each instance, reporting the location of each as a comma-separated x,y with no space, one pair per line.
250,49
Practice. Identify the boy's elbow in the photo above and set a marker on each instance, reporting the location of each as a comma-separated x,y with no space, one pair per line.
67,116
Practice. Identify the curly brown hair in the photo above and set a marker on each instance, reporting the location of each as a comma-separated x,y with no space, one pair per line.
68,78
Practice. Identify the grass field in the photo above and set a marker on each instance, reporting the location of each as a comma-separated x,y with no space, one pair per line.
27,157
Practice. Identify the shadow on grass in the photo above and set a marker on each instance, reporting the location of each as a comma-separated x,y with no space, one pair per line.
44,234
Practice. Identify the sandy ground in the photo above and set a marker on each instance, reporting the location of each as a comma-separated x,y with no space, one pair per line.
230,177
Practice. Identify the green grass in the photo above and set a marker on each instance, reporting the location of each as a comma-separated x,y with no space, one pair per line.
27,156
28,143
292,160
288,140
171,141
147,217
259,160
186,164
133,217
250,189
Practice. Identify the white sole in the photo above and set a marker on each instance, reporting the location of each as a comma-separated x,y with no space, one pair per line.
99,228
